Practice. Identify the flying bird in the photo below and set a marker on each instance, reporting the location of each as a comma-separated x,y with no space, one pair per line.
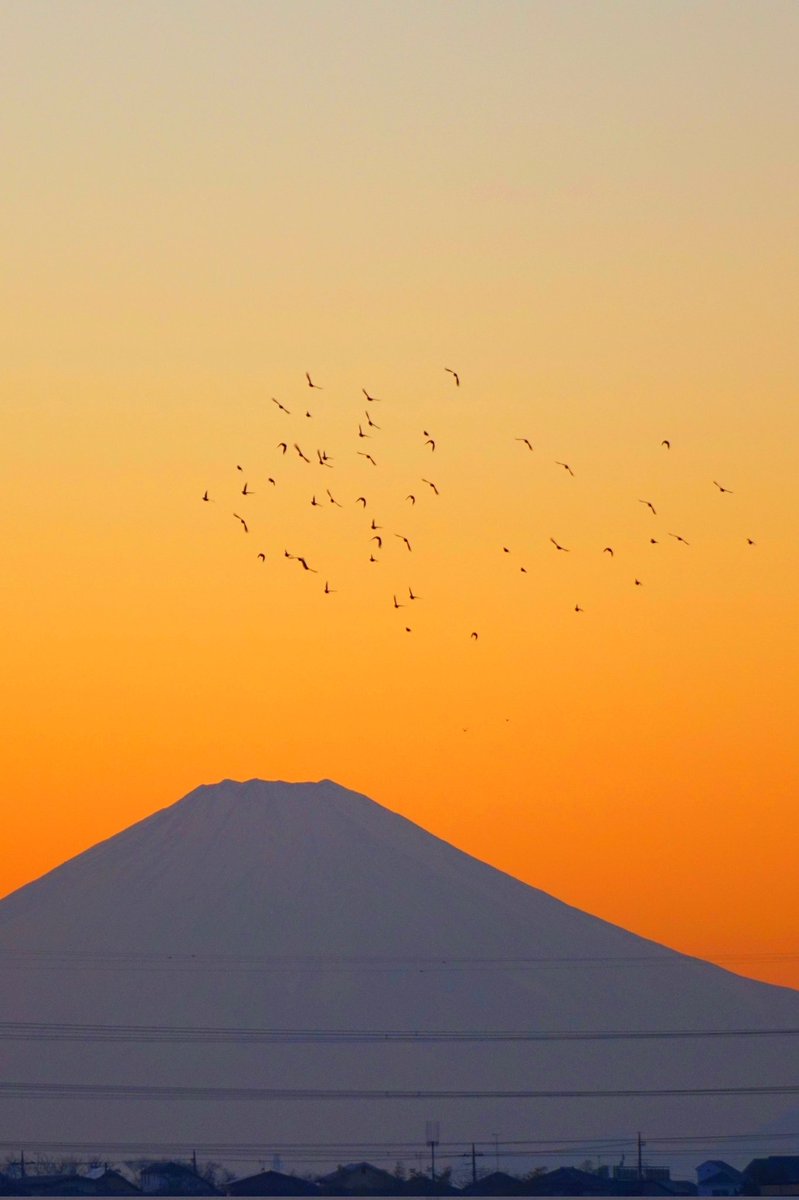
271,480
430,443
369,421
402,538
608,550
262,556
412,594
371,399
455,376
526,441
281,446
315,503
361,500
333,499
377,538
565,466
558,546
304,564
431,484
411,498
207,498
750,542
361,433
723,489
324,459
363,454
666,443
653,541
638,583
679,538
244,523
397,604
328,589
299,451
375,525
311,384
282,407
505,550
372,558
308,414
239,468
473,636
246,492
578,609
649,505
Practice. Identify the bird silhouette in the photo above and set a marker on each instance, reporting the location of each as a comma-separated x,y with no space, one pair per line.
666,443
328,589
244,523
324,459
430,443
246,492
363,454
299,451
526,441
371,399
262,556
311,384
565,466
397,604
304,564
369,421
455,376
431,485
402,538
750,542
207,498
333,499
361,433
377,538
281,446
375,525
282,407
679,538
578,609
723,490
638,583
361,500
558,546
411,498
412,595
608,550
315,503
473,635
649,505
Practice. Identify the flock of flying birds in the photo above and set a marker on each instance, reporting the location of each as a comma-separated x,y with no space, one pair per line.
368,429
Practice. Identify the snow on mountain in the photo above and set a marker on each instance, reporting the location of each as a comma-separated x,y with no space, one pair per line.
307,906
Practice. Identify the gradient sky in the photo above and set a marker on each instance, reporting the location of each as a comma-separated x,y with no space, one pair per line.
590,212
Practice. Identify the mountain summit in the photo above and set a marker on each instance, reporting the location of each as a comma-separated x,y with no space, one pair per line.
307,907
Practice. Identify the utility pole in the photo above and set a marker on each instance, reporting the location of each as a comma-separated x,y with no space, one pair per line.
641,1145
432,1134
496,1151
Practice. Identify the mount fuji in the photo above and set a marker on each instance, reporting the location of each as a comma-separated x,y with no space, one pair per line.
305,907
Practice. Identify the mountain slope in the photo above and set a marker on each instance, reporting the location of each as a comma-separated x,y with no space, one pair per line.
308,906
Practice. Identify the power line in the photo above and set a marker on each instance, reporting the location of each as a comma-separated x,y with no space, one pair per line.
60,959
104,1032
109,1091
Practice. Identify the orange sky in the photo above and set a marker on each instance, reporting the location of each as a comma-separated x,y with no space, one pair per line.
590,213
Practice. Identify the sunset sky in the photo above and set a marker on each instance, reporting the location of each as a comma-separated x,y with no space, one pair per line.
589,211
